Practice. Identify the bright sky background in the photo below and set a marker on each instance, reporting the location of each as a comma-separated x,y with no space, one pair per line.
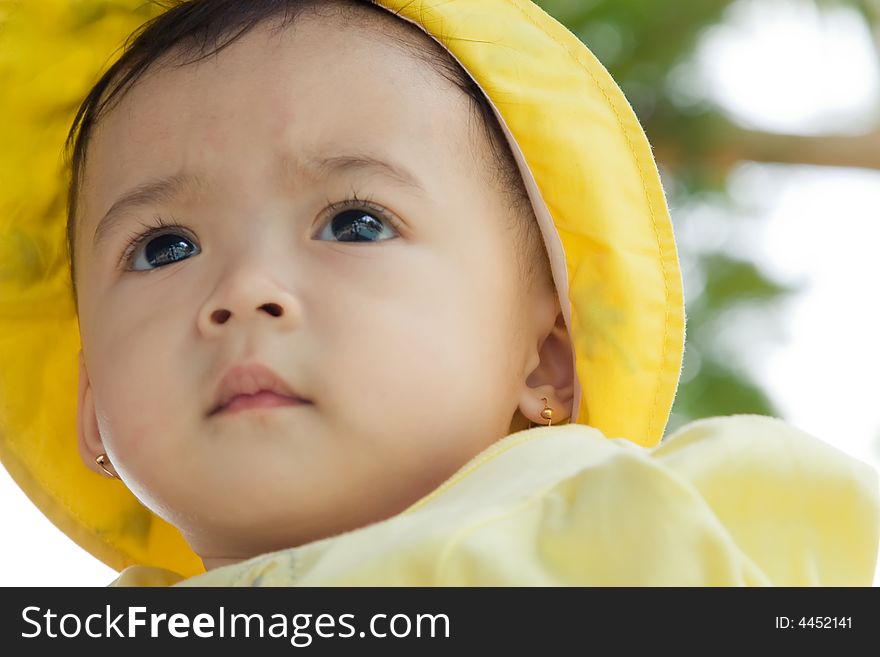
775,65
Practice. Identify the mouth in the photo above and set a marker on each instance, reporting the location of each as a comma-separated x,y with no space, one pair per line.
264,399
253,386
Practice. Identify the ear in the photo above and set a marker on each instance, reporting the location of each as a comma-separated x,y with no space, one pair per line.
553,378
89,439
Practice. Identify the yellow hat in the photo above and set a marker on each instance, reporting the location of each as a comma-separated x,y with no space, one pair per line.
585,160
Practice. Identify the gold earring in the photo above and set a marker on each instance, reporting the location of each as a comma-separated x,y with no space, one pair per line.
100,461
547,412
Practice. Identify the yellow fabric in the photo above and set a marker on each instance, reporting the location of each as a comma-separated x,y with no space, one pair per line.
728,501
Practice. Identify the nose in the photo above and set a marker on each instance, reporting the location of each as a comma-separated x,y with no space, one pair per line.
249,297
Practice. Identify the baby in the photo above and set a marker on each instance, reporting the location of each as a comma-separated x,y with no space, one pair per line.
324,293
305,257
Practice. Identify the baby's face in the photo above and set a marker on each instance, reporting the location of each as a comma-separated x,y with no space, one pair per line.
409,344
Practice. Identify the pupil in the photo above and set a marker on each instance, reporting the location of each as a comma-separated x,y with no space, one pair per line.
356,226
166,249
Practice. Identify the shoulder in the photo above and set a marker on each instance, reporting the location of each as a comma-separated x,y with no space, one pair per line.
740,499
807,512
759,449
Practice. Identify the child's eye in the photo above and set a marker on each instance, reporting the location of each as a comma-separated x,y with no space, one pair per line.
357,221
158,246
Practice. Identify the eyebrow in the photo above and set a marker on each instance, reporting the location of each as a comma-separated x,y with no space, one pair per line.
168,188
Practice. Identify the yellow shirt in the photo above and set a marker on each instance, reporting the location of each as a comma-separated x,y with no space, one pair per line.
725,501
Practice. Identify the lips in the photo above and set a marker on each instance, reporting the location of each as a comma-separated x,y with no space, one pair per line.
252,385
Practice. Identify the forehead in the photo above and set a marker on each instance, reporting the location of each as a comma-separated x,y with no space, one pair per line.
325,86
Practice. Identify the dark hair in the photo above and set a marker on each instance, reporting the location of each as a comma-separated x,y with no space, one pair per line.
190,25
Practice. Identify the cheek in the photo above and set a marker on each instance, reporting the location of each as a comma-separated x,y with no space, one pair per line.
143,417
139,392
428,347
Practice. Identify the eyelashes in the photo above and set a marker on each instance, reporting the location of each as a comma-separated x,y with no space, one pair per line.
159,226
335,210
134,239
